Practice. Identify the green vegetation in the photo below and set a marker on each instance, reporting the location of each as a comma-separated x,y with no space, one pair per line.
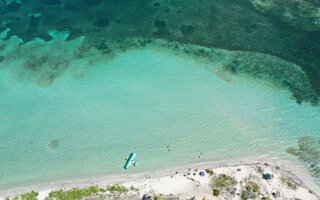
216,192
252,187
158,197
209,171
134,189
265,198
251,191
248,195
288,183
83,193
165,197
74,193
27,196
191,179
223,181
243,197
117,188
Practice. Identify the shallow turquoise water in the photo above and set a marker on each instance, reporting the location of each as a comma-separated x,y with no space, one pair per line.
165,107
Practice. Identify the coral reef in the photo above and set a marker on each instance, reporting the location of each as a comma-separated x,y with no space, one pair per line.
231,24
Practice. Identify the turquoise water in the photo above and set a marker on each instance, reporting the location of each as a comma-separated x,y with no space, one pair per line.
165,106
178,82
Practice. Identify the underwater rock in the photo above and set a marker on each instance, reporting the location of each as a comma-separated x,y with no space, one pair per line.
187,29
102,22
308,150
156,4
167,9
302,14
159,24
53,144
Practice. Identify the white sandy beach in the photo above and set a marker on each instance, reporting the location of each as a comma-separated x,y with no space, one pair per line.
185,182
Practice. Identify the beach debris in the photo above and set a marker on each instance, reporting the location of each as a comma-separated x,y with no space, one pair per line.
238,170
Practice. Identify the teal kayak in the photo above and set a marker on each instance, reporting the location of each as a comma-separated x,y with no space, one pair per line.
130,159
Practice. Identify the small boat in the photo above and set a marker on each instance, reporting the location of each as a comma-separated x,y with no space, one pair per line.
130,160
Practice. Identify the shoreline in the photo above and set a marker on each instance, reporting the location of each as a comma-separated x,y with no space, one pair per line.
289,167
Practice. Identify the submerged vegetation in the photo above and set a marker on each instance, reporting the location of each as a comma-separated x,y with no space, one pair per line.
236,25
308,150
